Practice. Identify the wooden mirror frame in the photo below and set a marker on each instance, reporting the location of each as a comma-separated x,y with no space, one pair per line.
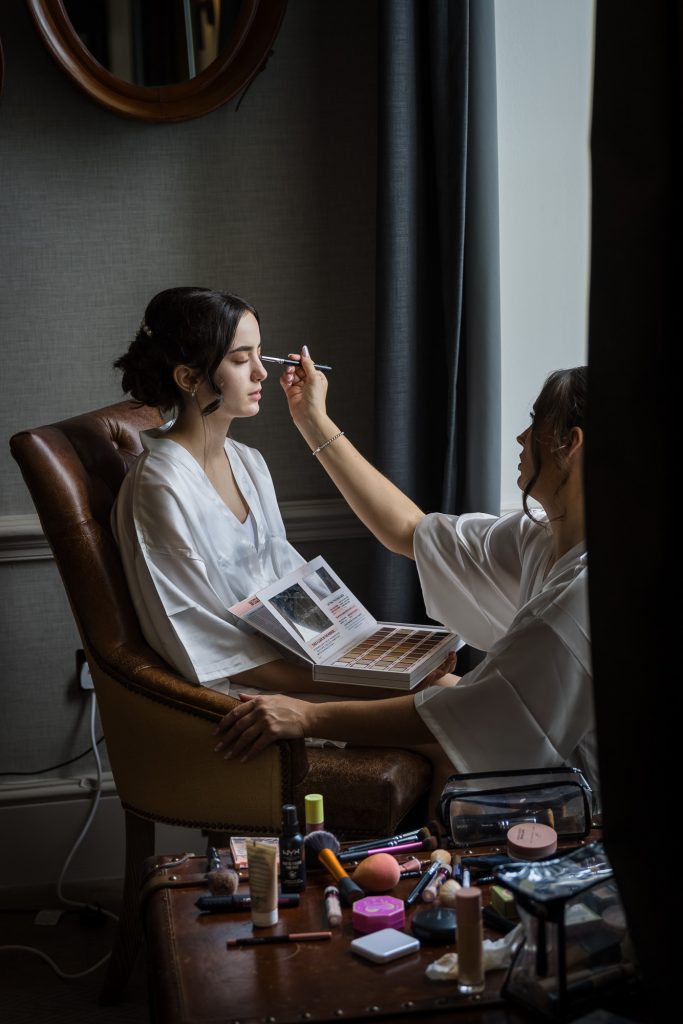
248,48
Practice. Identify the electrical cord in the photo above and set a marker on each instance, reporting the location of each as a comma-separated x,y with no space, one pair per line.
54,767
81,837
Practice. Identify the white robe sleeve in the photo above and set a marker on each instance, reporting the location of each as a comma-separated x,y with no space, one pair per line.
470,570
530,702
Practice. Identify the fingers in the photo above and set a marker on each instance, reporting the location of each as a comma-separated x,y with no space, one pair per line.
306,366
228,721
437,674
251,741
246,730
292,375
241,729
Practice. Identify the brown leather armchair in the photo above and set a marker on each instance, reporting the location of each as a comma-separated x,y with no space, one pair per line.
158,726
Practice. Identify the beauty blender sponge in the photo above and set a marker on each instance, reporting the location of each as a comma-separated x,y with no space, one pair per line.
377,873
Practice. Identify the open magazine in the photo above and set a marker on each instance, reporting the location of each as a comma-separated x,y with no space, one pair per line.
313,614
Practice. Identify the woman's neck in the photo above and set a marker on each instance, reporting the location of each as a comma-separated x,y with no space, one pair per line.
567,521
203,436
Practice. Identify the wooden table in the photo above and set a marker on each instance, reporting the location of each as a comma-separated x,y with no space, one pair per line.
195,979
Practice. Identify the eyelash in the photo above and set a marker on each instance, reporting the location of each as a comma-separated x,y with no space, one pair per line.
240,362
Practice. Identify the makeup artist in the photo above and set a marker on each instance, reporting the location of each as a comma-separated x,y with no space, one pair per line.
514,586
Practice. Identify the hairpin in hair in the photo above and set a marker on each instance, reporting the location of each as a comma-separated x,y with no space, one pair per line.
145,328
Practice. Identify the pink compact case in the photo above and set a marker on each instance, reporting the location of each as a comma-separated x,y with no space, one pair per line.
372,913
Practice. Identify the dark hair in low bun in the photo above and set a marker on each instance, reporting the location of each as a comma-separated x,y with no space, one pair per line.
560,406
192,327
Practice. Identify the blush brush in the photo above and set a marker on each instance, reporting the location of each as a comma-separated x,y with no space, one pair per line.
324,846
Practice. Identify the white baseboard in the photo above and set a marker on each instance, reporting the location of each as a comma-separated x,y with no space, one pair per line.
41,821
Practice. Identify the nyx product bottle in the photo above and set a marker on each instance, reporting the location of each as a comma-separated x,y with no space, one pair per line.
292,853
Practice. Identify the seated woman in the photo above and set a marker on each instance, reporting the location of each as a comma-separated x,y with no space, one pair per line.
196,519
514,586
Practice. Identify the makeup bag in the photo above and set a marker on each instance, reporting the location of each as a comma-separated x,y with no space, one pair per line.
576,944
479,808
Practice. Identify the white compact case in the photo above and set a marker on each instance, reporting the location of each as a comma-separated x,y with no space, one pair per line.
385,944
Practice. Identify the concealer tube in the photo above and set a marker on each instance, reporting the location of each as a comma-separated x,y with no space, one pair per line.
431,891
262,867
470,941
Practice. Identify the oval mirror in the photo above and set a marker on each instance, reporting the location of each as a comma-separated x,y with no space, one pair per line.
159,60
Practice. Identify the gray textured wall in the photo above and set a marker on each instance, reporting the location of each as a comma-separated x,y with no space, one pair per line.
274,201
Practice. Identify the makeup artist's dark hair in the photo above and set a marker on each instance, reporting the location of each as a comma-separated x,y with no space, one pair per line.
193,327
560,406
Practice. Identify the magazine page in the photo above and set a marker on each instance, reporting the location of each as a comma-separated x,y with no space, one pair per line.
255,615
314,607
318,610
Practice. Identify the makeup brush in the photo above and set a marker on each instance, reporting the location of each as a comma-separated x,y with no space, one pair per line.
405,837
324,847
222,882
311,852
430,843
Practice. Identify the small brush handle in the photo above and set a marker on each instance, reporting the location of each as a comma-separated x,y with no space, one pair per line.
407,847
405,837
348,889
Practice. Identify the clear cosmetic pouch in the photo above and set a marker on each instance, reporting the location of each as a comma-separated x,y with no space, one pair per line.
479,808
576,944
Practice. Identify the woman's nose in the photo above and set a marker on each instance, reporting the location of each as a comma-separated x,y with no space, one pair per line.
259,372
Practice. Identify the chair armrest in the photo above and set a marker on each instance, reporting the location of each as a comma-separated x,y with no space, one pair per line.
158,729
137,667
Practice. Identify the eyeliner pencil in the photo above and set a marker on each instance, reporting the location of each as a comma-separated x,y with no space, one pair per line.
423,883
292,362
239,901
267,940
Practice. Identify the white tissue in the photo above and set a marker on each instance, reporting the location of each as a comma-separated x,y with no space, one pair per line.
497,955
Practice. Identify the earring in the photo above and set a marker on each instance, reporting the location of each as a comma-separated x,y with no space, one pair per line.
194,391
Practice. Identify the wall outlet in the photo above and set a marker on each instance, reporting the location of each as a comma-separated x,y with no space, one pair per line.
83,671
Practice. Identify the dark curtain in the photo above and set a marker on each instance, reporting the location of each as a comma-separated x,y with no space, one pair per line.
437,366
632,460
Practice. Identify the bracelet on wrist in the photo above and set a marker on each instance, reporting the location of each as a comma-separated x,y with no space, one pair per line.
325,443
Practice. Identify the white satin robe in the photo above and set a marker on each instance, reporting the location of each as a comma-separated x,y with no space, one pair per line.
530,702
187,558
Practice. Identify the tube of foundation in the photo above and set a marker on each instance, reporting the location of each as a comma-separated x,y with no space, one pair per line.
262,867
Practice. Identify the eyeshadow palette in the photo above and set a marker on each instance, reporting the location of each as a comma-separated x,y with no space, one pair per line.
313,614
394,653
